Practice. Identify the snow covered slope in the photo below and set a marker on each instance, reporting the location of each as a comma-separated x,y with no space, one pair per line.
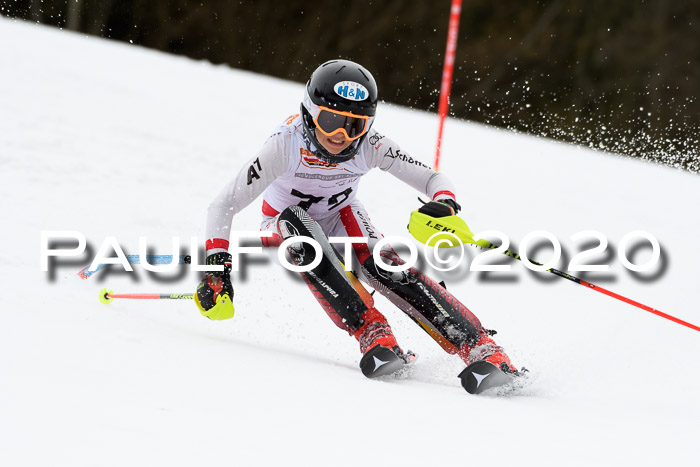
114,140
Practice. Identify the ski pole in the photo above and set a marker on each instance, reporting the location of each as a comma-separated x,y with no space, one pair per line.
106,296
136,259
488,245
424,228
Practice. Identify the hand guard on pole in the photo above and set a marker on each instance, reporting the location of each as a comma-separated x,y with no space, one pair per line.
215,291
436,221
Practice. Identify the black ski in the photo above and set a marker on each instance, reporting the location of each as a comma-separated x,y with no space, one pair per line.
482,375
382,361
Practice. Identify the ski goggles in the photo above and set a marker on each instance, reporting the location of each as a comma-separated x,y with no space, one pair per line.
330,122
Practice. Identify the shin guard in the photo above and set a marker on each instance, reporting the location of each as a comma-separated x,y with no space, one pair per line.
339,292
429,304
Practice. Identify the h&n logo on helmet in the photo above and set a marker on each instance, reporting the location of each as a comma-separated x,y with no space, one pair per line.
351,90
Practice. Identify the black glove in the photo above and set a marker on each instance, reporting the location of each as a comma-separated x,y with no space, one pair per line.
442,208
215,292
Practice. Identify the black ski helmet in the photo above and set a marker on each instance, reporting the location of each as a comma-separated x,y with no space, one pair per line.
339,85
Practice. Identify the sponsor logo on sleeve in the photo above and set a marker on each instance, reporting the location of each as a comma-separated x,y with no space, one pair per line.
397,154
252,173
290,119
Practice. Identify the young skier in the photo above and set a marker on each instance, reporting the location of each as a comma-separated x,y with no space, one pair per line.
308,171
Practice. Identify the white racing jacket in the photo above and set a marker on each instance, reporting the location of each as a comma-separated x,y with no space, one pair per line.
288,173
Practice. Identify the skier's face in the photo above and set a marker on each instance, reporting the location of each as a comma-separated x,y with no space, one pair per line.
334,144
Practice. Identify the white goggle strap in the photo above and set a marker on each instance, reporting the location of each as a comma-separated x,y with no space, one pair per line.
312,108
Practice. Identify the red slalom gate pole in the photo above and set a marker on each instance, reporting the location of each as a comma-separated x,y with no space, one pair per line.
447,71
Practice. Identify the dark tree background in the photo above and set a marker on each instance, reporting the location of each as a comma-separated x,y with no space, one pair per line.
616,75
